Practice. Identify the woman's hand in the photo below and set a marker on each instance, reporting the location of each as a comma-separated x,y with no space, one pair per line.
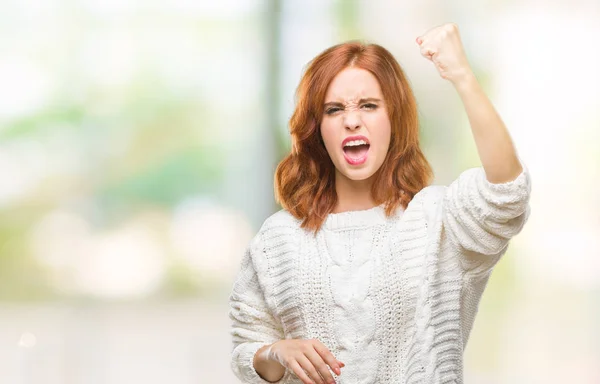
442,45
304,355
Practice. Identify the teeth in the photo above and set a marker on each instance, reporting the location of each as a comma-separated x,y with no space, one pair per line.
355,143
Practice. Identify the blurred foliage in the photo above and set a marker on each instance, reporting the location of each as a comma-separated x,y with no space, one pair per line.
166,181
180,281
48,118
146,150
21,278
346,13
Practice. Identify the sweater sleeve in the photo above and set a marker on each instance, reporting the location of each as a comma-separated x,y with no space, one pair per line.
481,217
253,326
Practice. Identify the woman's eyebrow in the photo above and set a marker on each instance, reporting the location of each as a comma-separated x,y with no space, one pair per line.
361,101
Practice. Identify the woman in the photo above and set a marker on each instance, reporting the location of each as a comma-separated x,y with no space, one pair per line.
369,274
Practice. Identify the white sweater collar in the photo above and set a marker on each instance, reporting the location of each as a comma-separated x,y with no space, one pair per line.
353,219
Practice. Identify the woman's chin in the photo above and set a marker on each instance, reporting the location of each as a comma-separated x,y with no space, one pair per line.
358,174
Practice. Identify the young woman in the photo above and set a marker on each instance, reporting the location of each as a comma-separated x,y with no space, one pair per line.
369,274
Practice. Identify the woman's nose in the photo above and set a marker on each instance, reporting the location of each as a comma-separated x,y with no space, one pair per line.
352,121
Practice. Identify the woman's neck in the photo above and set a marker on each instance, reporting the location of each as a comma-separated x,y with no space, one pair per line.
353,195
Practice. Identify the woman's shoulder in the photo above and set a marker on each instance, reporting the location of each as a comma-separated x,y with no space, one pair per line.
280,219
279,224
276,239
430,195
429,201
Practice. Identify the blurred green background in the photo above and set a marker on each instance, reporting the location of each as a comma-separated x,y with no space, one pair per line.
138,142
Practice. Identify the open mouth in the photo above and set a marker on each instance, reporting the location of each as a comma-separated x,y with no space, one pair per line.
356,150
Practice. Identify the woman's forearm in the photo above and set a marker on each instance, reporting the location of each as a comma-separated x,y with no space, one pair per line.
267,369
494,144
443,46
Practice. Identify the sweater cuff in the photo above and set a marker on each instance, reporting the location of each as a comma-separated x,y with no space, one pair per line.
504,201
521,185
246,365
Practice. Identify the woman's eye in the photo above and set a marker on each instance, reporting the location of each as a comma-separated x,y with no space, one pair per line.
369,106
331,111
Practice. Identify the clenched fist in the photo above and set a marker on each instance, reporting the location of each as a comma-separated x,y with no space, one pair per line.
442,45
304,357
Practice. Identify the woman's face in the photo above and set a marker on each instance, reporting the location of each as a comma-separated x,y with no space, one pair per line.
354,106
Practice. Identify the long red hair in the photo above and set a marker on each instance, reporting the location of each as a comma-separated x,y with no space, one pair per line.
305,178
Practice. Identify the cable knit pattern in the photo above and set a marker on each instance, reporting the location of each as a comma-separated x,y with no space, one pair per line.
393,298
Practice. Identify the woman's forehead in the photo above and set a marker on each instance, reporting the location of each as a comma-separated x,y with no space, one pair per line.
352,85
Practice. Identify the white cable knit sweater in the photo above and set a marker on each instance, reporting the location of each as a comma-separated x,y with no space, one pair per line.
393,298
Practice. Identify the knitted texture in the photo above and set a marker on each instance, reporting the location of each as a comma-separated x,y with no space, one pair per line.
393,298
